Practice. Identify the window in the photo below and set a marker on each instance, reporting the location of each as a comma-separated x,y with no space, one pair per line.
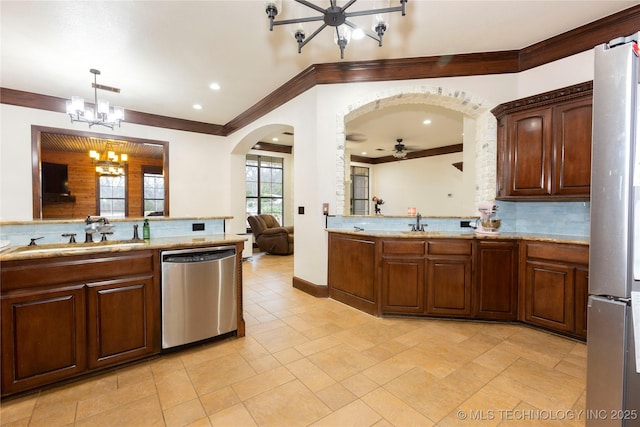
153,190
359,200
264,186
111,195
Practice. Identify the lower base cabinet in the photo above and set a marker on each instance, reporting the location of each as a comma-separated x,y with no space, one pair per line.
352,271
119,316
540,283
556,287
449,278
449,286
43,337
495,294
57,326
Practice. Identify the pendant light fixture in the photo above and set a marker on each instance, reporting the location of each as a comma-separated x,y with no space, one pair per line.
335,16
101,114
109,163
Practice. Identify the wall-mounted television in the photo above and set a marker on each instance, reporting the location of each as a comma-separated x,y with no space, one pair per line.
55,182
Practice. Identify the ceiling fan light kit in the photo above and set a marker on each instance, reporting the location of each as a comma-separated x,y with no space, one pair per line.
337,17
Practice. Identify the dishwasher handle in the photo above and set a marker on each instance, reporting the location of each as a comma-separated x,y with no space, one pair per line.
192,257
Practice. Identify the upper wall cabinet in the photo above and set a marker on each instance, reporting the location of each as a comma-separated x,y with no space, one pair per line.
544,145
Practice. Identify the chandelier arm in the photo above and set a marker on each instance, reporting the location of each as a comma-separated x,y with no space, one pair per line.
308,39
298,20
365,31
313,6
375,11
348,4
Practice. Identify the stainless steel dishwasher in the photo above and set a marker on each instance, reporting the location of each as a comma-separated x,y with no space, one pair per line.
198,294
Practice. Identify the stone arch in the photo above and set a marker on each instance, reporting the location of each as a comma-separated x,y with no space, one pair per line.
469,105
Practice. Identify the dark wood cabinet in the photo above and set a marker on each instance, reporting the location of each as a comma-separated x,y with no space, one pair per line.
550,295
582,300
43,336
544,145
556,287
403,277
572,123
529,153
352,271
495,294
449,278
64,316
120,318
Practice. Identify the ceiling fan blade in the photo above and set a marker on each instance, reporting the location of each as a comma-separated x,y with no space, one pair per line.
356,137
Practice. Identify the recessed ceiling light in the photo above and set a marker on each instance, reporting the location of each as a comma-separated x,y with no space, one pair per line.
357,34
364,153
275,139
426,122
214,86
197,107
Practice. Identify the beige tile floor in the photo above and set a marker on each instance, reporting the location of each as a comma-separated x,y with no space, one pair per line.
316,362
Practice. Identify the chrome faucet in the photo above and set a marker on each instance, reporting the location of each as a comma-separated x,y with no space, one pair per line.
417,226
94,225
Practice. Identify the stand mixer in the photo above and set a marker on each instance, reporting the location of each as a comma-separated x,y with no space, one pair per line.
487,223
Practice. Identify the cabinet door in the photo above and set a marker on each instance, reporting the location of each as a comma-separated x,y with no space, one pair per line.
550,295
502,162
572,148
120,317
496,287
352,272
582,298
449,286
403,285
43,337
529,136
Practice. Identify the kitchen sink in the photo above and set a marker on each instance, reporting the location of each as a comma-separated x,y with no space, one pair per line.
78,247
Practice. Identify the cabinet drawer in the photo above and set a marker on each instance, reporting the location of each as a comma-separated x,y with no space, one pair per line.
52,271
450,247
414,247
558,252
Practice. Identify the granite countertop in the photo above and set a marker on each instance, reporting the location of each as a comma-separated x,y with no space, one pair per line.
12,253
556,238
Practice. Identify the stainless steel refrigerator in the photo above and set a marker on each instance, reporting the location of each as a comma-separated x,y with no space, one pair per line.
613,381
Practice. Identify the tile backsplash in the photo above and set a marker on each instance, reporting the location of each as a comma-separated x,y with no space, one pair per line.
561,218
21,234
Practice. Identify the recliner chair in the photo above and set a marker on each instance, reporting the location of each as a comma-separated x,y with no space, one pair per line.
270,236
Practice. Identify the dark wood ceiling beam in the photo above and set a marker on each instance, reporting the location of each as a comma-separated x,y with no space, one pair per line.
447,149
274,148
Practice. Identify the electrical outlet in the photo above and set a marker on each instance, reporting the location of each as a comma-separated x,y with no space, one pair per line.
465,224
197,226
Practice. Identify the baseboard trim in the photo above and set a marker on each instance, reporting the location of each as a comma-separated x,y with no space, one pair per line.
310,288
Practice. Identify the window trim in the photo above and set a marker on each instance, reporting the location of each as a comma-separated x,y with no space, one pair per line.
126,192
155,170
258,158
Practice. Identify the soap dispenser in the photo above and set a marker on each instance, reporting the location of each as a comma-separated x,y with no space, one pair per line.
146,231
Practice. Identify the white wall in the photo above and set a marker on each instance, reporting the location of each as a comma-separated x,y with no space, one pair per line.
564,72
430,184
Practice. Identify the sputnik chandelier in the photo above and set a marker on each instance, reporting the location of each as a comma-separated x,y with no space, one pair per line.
101,113
335,16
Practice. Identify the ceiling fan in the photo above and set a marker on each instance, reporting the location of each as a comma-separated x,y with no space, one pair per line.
400,150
